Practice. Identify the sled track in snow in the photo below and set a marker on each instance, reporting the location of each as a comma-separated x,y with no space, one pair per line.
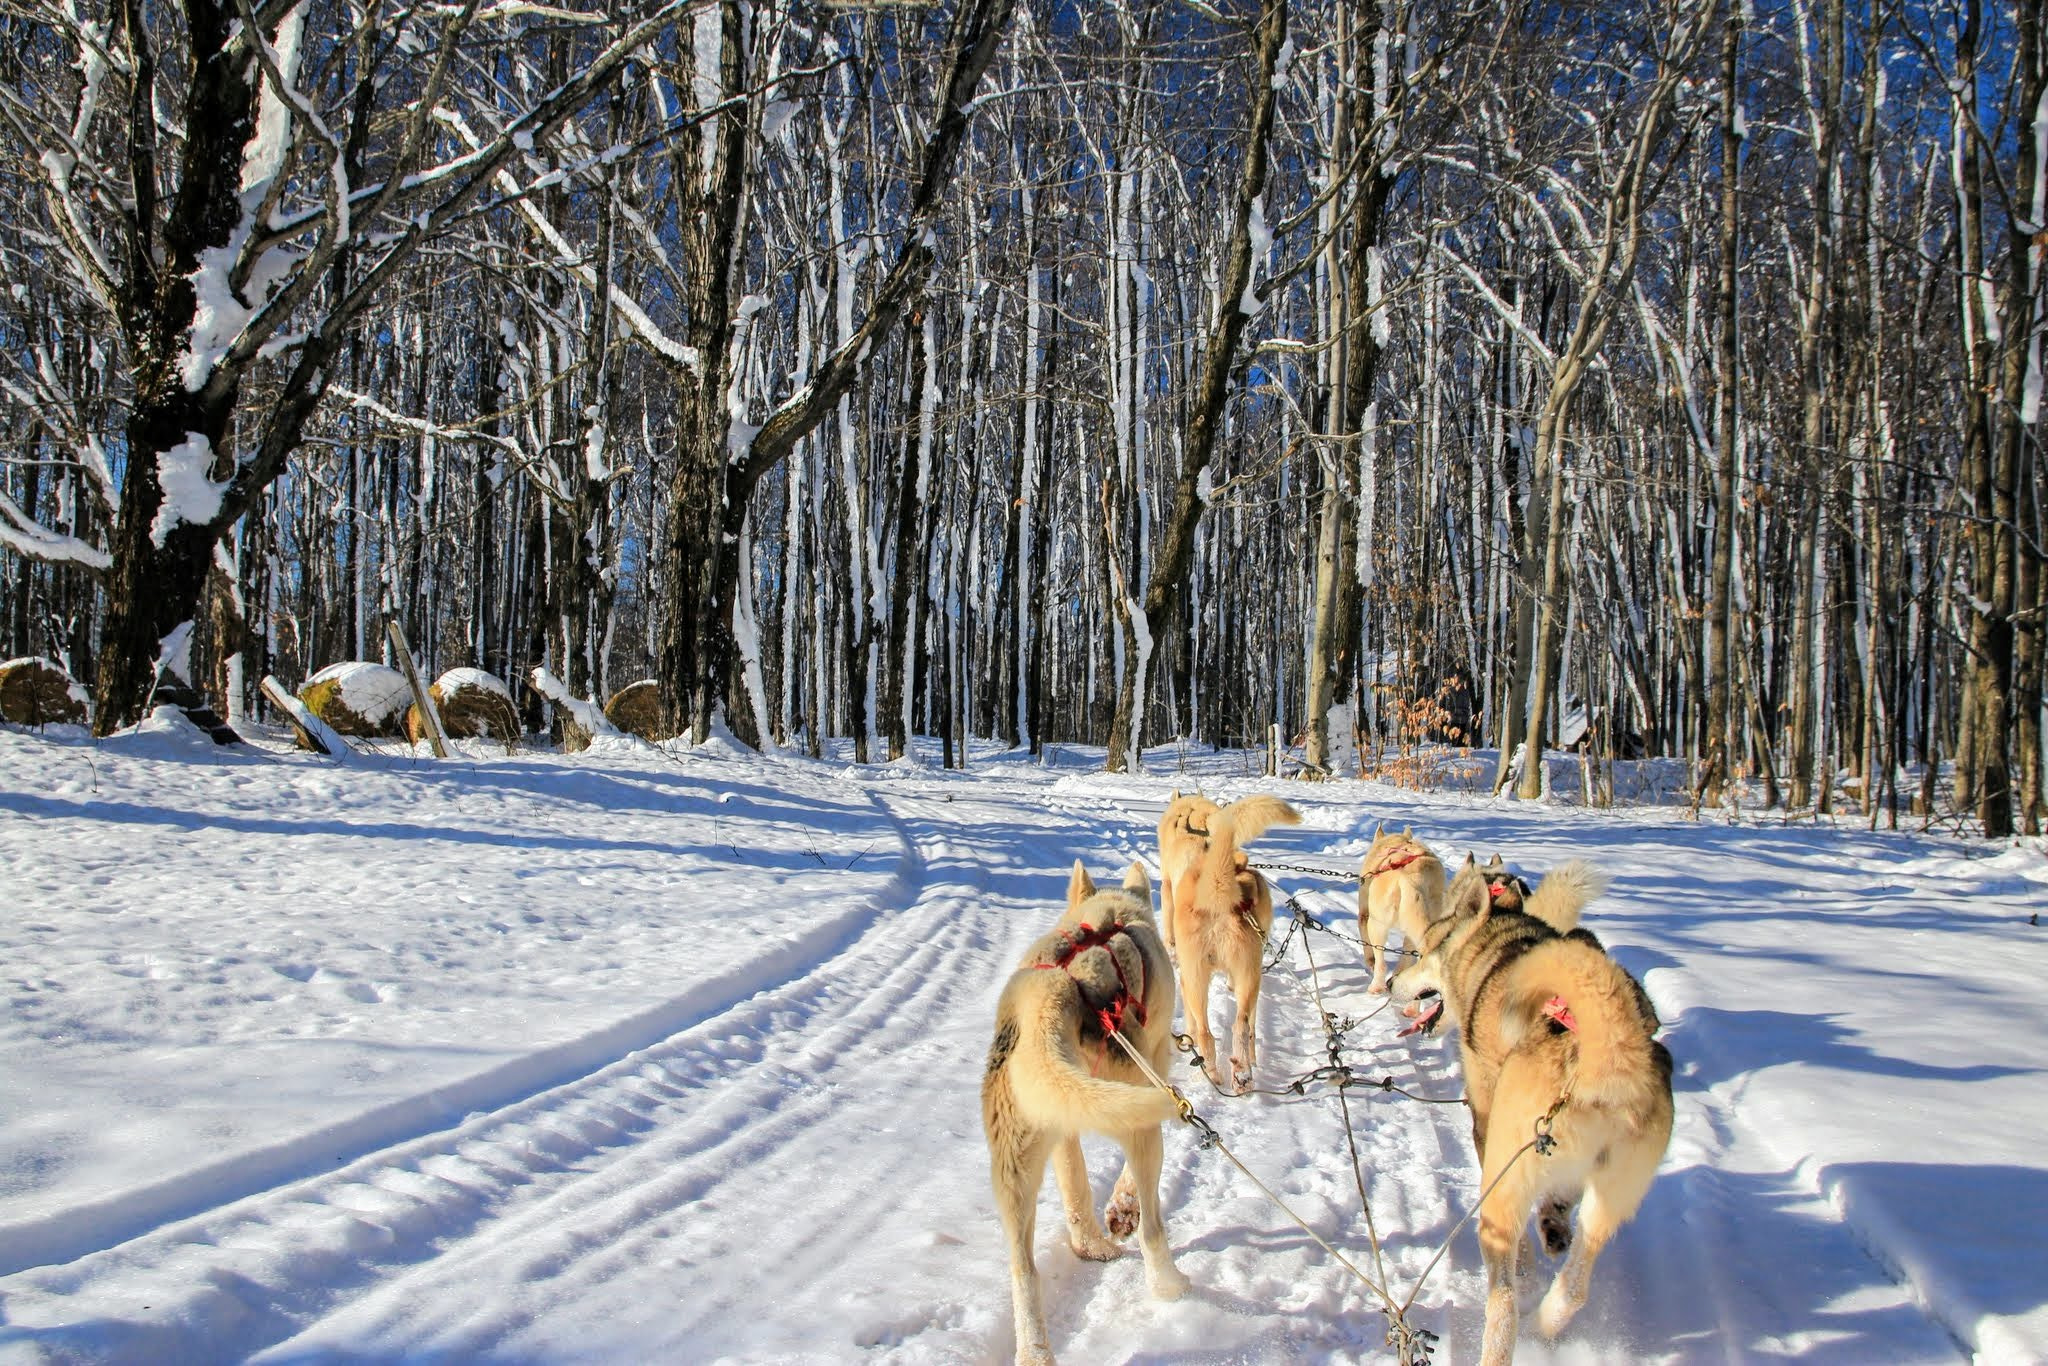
251,1270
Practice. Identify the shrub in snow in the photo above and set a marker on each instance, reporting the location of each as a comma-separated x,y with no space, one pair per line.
358,698
473,705
37,692
636,710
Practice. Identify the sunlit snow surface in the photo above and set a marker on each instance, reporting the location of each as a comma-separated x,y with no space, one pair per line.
636,1055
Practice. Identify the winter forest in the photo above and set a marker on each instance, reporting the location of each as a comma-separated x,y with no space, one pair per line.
1660,379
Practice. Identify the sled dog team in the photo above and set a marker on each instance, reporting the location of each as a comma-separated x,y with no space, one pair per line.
1554,1038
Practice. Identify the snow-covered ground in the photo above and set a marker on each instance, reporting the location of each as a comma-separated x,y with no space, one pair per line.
637,1056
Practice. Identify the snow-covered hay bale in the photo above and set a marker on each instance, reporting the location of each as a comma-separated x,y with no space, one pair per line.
37,692
636,710
473,705
358,698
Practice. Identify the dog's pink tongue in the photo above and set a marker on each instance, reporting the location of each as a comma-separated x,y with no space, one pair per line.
1423,1018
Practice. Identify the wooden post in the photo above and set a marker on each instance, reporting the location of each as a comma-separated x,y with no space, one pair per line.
313,733
430,717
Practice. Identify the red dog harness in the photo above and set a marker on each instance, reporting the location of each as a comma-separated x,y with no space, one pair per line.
1078,941
1393,863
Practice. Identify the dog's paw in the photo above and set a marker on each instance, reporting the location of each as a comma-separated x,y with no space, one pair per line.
1376,989
1168,1282
1240,1075
1556,1226
1556,1311
1121,1214
1094,1247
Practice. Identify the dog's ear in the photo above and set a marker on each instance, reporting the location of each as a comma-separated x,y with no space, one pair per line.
1468,894
1471,860
1377,828
1137,881
1080,886
1496,864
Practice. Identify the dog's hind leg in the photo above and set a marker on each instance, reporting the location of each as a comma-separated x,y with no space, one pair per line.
1503,1217
1145,1152
1122,1212
1567,1294
1374,929
1196,970
1084,1232
1018,1170
1244,1042
1613,1191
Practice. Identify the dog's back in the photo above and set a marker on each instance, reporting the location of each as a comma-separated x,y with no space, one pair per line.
1566,990
1180,837
1051,1056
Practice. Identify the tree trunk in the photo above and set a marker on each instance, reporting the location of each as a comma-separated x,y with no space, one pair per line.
1335,632
1718,665
1158,613
708,498
154,584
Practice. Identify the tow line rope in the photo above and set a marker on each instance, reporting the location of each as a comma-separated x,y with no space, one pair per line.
1410,1342
1336,1072
1413,1343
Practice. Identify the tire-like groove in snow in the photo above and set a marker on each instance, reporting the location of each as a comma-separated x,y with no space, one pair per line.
263,1254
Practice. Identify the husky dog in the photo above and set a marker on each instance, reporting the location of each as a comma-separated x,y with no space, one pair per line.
1053,1073
1508,890
1180,848
1401,886
1220,911
1555,1042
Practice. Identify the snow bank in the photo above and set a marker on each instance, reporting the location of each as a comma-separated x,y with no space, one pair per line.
483,1060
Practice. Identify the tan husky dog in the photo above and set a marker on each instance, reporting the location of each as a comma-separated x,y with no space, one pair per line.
1401,886
1221,911
1054,1073
1555,1041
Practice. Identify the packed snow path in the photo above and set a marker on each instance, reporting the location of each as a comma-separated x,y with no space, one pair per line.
635,1057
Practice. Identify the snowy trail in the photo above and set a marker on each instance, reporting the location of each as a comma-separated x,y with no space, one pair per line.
768,1147
232,1281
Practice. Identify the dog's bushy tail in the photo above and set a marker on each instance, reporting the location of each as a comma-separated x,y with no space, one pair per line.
1567,889
1218,869
1251,817
1597,1004
1062,1094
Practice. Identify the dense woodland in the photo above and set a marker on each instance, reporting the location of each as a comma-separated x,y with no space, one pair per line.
1663,378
